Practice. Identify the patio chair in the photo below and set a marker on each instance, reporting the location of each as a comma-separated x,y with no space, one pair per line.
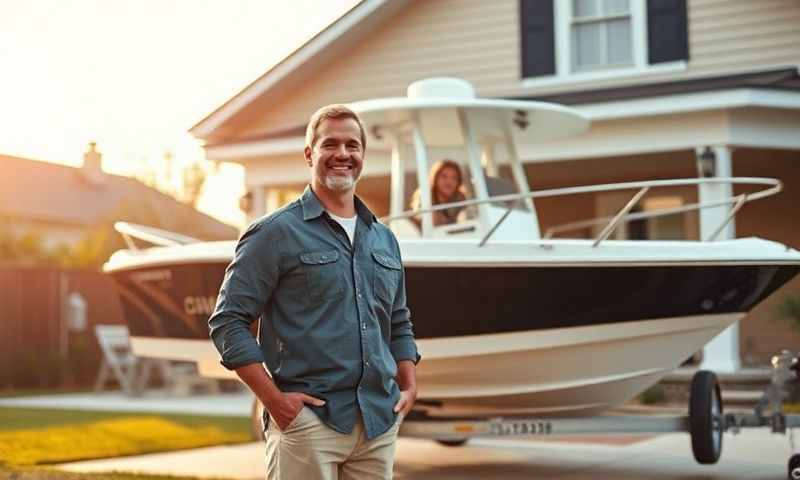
133,373
119,362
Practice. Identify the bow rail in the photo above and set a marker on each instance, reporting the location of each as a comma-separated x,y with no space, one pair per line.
623,215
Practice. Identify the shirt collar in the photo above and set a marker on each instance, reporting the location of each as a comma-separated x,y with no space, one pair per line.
313,208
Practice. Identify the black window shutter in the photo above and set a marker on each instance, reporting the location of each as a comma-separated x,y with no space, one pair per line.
667,31
537,37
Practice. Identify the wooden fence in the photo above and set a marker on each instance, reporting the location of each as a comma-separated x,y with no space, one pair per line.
37,348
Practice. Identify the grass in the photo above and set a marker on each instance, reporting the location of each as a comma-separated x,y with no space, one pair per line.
39,436
791,408
41,473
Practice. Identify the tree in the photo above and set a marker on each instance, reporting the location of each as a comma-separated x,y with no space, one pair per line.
194,178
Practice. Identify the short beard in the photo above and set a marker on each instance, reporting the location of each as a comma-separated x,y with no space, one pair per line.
340,183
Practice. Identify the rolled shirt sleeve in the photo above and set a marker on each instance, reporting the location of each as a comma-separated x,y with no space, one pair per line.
249,282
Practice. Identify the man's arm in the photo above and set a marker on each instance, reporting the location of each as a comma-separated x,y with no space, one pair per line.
403,346
248,285
407,381
249,282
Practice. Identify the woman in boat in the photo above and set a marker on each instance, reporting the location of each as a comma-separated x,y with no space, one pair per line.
447,186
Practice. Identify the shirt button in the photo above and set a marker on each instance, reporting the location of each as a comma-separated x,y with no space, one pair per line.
359,295
363,326
366,363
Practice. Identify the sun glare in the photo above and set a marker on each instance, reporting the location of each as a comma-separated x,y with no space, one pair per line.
134,76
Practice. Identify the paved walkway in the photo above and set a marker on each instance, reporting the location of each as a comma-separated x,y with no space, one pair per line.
752,455
230,404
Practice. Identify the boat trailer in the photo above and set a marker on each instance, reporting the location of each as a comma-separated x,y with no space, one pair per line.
706,421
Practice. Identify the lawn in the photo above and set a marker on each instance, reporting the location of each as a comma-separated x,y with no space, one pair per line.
41,473
40,436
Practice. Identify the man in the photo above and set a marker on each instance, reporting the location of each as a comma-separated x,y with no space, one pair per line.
326,279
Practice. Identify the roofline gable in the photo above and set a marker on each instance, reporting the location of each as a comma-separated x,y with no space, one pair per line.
356,22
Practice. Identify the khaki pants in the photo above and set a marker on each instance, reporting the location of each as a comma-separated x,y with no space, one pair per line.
309,450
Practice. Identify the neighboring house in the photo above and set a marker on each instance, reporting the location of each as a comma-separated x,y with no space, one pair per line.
660,79
62,204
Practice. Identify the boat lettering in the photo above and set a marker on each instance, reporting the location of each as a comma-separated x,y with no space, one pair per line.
199,305
152,276
526,427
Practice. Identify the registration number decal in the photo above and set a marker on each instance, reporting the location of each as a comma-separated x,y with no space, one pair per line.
521,427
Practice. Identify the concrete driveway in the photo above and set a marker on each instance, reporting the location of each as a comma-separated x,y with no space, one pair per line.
752,455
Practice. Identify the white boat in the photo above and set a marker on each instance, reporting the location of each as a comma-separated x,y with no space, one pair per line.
509,320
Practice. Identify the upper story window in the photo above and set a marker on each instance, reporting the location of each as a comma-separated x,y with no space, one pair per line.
566,41
600,34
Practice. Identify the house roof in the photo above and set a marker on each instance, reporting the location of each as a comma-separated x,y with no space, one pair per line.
218,128
785,79
299,65
59,194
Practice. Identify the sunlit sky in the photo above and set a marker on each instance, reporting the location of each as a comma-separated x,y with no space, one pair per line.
135,75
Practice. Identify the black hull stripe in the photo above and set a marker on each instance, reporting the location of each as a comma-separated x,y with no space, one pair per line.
458,301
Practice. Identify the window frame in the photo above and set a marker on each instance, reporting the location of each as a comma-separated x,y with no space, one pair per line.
562,28
601,19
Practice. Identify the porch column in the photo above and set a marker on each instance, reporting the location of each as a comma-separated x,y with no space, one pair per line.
722,353
259,203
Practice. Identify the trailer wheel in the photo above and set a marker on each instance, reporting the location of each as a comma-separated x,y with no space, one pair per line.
705,417
452,442
794,467
256,422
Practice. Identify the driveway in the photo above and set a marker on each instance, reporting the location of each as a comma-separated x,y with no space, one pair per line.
752,455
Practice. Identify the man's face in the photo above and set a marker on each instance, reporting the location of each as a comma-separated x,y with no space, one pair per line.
337,156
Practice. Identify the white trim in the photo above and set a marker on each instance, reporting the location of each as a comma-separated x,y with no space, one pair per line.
562,13
238,151
691,102
645,107
294,61
588,77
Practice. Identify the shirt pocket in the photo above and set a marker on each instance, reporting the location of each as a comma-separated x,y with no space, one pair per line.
323,275
386,277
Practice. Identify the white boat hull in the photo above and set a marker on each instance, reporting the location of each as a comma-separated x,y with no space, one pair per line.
567,371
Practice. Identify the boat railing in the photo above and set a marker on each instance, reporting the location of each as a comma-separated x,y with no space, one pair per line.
156,236
624,215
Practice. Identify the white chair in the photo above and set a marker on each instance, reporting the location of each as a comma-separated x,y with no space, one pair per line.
133,373
118,359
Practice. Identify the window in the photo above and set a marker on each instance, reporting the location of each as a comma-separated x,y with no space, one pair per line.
600,32
675,226
574,41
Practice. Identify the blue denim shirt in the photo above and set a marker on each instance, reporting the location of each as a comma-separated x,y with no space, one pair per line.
334,321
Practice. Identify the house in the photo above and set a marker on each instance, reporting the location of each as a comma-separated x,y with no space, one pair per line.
674,89
62,203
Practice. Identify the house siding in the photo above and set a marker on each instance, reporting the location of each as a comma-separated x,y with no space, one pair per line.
479,41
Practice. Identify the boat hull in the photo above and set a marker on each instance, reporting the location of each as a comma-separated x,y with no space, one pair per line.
553,372
546,341
176,301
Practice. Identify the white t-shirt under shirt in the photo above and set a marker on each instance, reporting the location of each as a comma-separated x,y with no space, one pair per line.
349,225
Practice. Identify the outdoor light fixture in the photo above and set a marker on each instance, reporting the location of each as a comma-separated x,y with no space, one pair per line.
707,163
246,202
521,119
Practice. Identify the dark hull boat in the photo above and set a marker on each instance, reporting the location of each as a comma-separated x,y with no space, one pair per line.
514,330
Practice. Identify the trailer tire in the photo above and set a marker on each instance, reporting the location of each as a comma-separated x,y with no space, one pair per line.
452,442
256,421
794,467
706,421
